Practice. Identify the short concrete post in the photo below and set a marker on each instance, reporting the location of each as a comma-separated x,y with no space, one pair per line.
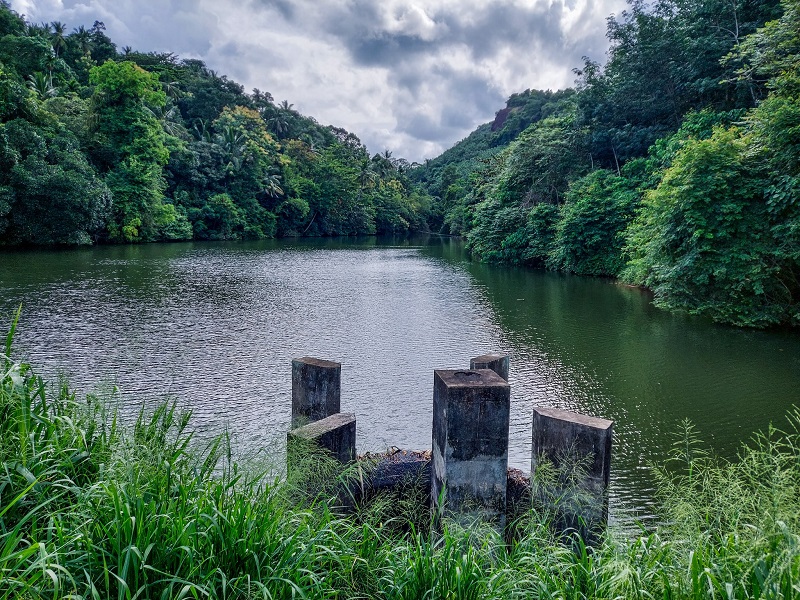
471,412
579,449
336,434
316,389
495,361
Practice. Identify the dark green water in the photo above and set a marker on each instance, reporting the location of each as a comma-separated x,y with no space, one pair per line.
216,325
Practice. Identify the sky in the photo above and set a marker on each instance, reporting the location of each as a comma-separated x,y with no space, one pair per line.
410,76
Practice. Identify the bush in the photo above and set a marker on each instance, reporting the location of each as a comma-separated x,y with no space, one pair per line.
588,237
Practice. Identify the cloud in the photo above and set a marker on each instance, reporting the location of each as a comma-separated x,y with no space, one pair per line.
413,76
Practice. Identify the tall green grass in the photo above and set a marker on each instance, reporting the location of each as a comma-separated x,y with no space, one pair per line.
91,508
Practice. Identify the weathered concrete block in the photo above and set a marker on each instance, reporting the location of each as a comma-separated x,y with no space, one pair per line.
471,412
316,389
495,361
401,472
579,449
336,434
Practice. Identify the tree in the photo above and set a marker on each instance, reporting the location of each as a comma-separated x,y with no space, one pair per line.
15,99
130,146
588,236
82,39
701,241
664,61
272,186
57,39
52,194
221,219
209,94
41,85
535,169
10,22
25,55
279,125
774,51
248,147
532,243
130,121
542,162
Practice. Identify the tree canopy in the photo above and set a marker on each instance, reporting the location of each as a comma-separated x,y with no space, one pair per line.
675,165
121,146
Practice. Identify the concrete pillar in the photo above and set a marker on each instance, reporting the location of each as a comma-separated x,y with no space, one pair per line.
336,434
316,389
495,361
471,412
579,449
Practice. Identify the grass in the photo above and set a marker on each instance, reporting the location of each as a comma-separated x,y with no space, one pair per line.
90,508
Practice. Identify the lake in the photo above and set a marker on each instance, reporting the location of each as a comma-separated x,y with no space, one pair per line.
216,325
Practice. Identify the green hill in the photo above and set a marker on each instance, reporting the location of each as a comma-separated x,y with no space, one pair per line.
673,166
101,145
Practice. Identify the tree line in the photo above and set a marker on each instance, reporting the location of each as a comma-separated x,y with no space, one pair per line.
674,166
100,145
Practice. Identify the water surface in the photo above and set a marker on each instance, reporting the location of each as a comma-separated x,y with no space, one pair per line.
217,324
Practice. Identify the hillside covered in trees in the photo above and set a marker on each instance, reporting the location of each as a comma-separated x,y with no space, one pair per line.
675,166
114,146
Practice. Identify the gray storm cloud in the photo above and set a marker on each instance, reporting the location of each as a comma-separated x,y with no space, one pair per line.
413,77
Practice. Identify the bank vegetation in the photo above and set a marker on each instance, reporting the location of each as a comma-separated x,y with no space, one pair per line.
674,166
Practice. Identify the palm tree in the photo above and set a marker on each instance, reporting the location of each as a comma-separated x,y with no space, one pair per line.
314,138
42,85
367,178
232,143
83,40
272,186
50,62
279,125
202,131
169,119
172,90
57,40
40,30
231,140
401,164
382,164
234,165
261,98
286,106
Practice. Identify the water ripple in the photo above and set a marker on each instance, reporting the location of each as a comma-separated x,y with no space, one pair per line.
216,326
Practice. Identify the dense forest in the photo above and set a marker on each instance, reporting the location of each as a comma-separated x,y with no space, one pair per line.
675,165
113,146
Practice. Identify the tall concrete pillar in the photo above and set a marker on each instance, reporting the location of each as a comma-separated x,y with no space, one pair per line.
578,448
316,389
471,411
495,361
